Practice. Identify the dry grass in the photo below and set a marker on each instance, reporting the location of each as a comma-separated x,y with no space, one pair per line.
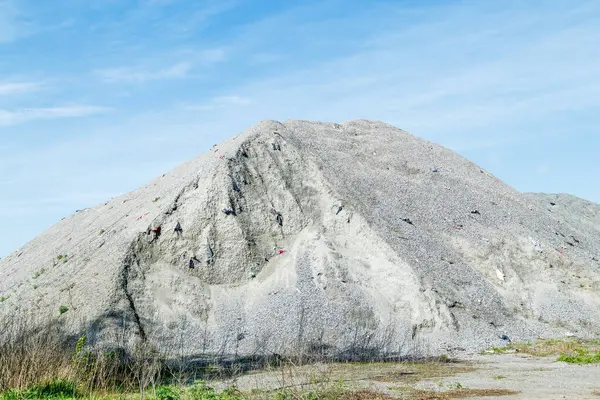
29,357
573,351
415,372
457,394
597,393
551,347
366,394
48,354
544,348
344,380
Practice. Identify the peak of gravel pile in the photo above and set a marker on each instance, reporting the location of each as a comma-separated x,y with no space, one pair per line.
321,237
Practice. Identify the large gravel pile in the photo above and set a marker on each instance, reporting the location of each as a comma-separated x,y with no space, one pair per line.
322,237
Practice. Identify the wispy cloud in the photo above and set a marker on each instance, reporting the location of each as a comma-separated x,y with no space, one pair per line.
10,88
187,22
489,77
220,102
209,56
10,27
114,75
20,116
496,81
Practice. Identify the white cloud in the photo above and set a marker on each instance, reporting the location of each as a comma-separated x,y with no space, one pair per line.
11,88
176,71
457,73
30,114
221,102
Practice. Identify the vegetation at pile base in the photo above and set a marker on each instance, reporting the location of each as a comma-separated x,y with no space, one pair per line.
64,390
573,351
48,363
581,356
58,389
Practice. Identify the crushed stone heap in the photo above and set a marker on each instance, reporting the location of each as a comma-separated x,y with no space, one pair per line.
319,237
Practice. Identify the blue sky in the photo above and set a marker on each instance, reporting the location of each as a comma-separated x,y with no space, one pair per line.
99,96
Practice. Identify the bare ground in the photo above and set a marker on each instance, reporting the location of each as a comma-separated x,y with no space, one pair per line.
533,377
498,376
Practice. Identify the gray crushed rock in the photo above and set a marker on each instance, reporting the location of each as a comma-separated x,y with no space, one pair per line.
384,241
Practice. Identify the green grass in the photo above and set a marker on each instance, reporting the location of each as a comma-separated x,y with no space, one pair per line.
38,273
65,390
58,389
581,356
63,309
572,351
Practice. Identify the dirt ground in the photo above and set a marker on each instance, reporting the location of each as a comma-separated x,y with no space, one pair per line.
533,377
490,376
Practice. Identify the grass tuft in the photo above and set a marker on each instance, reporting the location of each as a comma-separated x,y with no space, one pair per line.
550,347
580,356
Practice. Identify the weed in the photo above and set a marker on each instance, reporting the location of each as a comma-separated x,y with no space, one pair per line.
201,391
3,298
58,389
365,395
38,273
580,356
549,347
455,385
63,309
167,392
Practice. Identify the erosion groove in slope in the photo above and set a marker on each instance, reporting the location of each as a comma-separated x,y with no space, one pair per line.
130,272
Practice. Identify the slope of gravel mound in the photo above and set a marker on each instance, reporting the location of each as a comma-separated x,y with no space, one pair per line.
321,237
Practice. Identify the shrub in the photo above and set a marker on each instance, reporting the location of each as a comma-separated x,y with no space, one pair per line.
200,391
32,356
167,392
